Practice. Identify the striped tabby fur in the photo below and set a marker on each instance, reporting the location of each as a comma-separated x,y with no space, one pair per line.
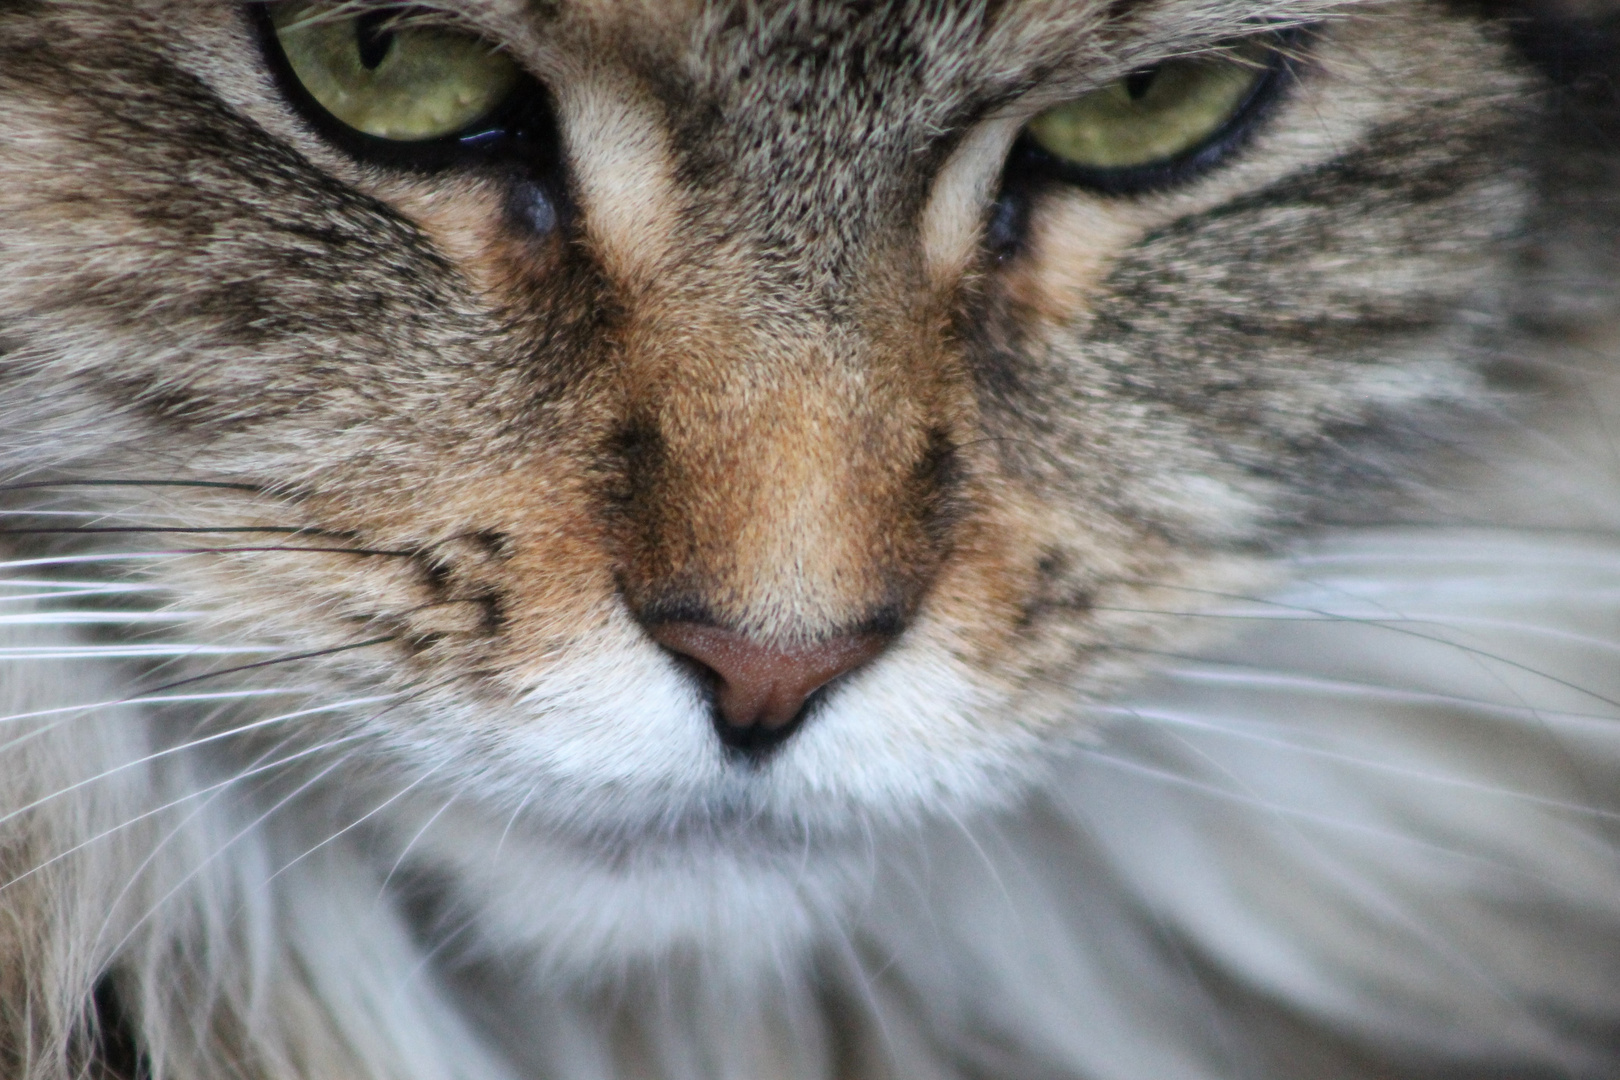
1253,548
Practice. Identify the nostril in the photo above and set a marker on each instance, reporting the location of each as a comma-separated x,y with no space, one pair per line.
760,687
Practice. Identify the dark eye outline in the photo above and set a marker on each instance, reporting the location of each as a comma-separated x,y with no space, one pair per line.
521,129
1028,164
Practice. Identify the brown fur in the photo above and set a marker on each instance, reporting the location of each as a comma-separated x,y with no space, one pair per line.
767,372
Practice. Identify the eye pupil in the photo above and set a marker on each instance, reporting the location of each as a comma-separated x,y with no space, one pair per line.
1138,83
375,40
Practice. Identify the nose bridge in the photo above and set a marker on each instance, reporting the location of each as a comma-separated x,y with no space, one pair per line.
778,466
786,395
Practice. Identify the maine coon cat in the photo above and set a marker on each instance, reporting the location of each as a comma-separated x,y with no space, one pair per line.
687,539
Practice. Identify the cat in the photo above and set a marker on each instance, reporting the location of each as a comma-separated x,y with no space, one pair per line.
793,539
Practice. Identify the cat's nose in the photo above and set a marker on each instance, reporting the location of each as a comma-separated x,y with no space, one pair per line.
761,687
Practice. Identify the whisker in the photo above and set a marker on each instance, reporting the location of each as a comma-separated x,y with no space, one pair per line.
171,553
1368,893
1262,679
254,770
980,853
1463,557
97,557
219,695
213,793
186,879
46,512
35,485
70,594
1495,590
1392,625
385,552
382,889
88,586
67,713
1443,621
126,652
316,654
1282,811
79,618
92,530
1257,616
445,939
1161,717
511,821
274,808
192,744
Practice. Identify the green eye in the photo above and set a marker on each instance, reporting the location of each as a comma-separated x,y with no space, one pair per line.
387,74
1157,116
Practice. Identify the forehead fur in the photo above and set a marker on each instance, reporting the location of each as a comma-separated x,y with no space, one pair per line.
763,116
923,65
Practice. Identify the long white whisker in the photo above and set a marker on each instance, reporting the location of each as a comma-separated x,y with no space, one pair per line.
79,618
131,652
1265,679
146,556
382,889
1461,554
191,745
983,855
1405,619
78,583
158,699
101,557
244,831
1394,626
357,822
106,515
511,821
215,791
235,778
1173,779
65,594
1163,717
67,714
1368,892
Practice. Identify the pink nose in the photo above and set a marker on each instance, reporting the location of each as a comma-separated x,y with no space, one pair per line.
764,686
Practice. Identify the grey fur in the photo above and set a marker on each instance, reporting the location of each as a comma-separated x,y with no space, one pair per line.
405,792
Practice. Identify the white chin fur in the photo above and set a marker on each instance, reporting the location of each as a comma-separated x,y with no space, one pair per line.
622,740
555,909
697,849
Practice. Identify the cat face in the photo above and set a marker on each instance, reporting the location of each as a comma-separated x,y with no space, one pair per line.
767,423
